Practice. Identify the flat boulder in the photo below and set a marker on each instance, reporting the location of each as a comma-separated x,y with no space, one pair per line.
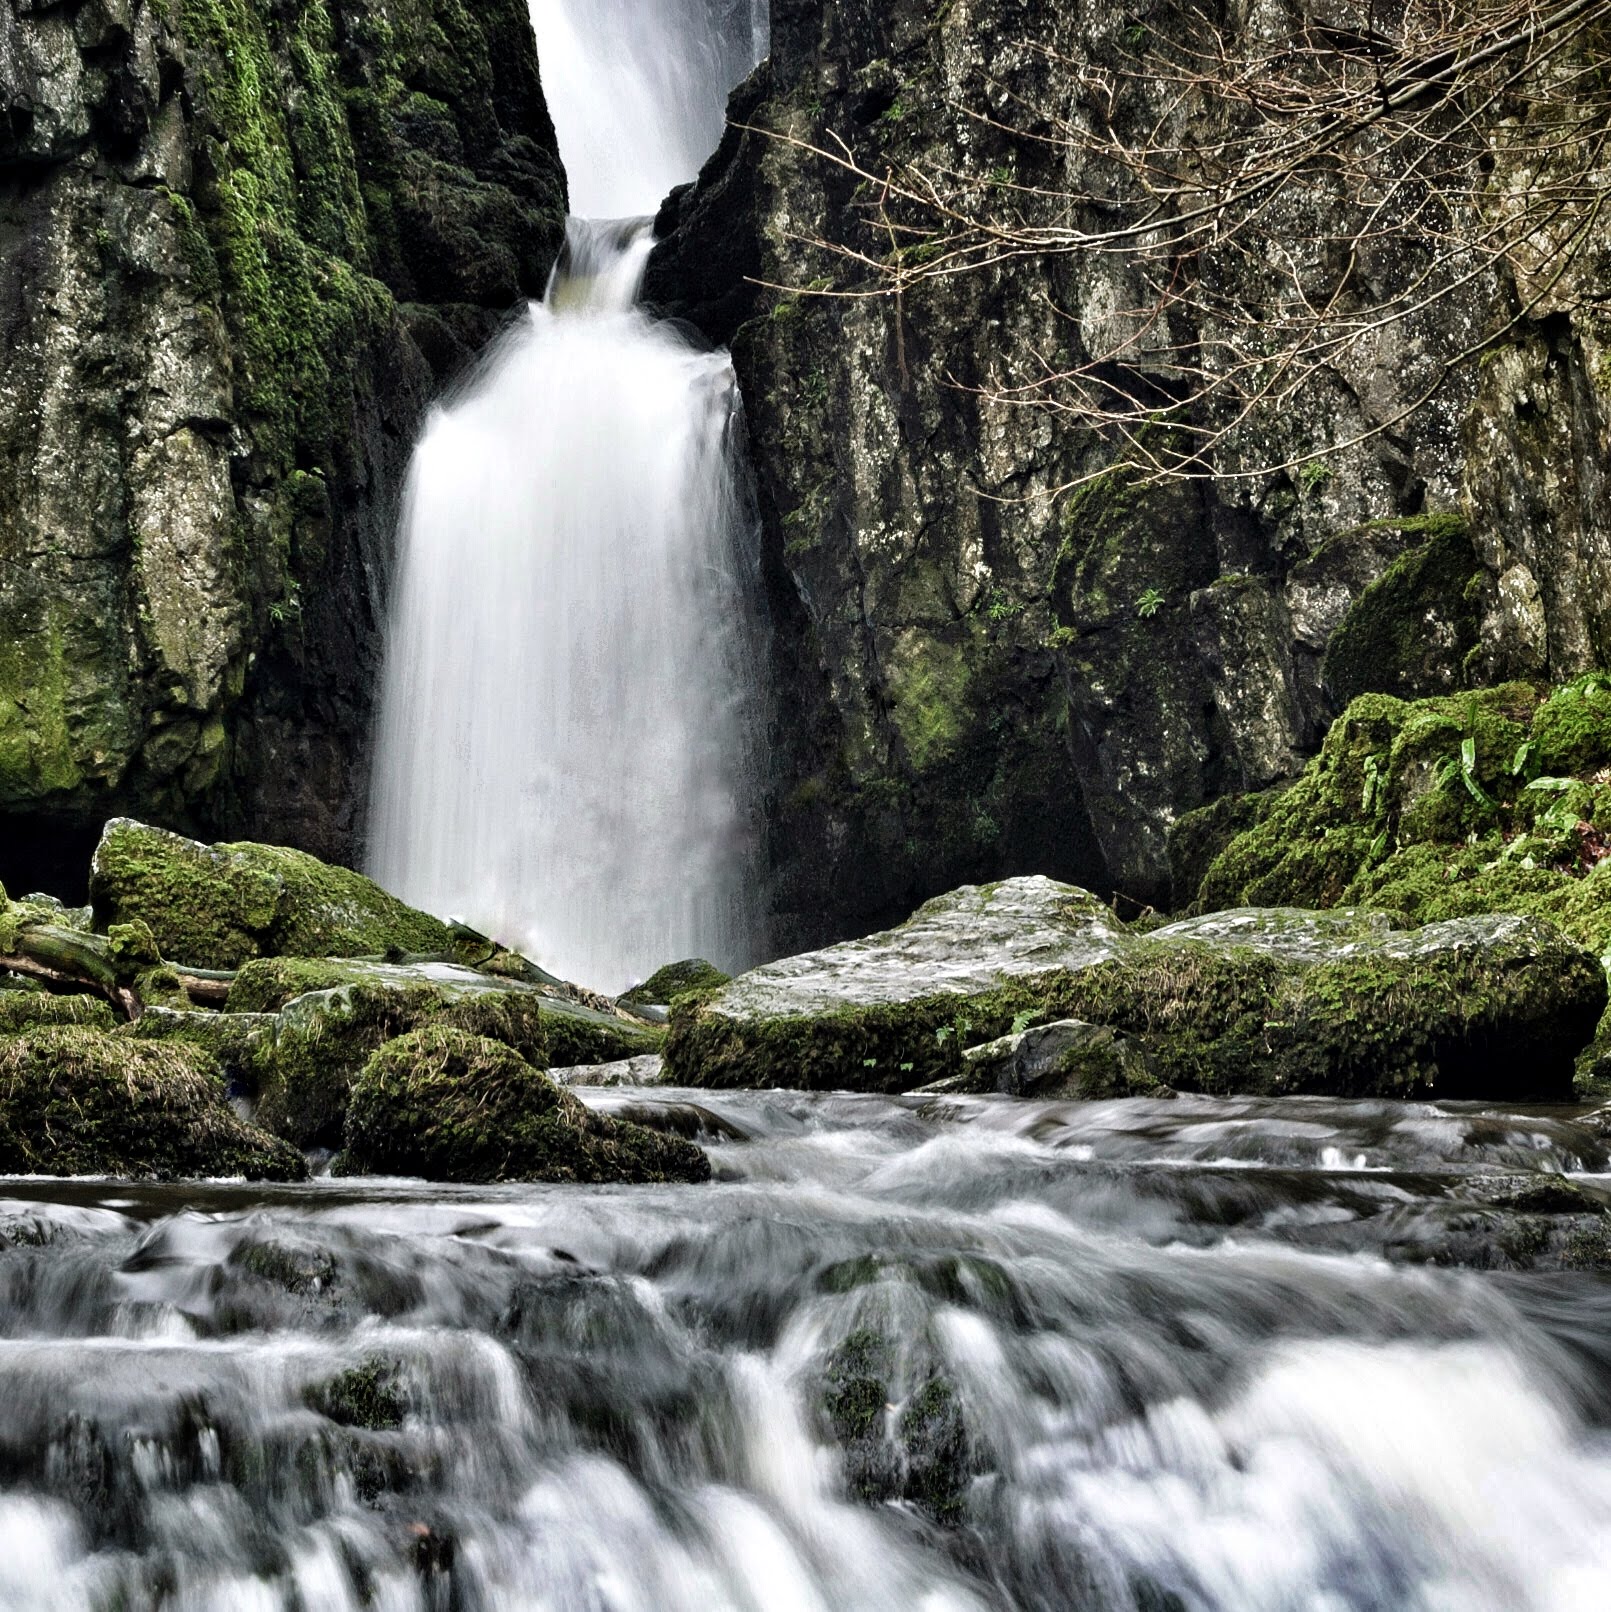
216,906
451,1106
76,1100
1254,1001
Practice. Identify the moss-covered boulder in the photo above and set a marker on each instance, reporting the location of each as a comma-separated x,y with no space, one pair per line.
457,1107
38,1010
78,1101
1066,1058
236,1040
1253,1001
307,1064
216,906
1498,801
676,979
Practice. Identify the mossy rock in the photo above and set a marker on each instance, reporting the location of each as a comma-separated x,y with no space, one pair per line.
452,1106
914,1448
370,1396
1499,801
30,1010
218,906
236,1040
675,979
1256,1001
1411,631
1390,771
78,1101
321,1041
1196,837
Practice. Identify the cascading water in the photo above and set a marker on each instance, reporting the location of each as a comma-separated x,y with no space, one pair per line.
569,710
982,1356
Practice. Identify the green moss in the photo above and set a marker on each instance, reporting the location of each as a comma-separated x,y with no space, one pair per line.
457,1107
306,1069
236,1040
217,906
674,980
77,1101
26,1010
132,949
369,1396
580,1035
1410,632
1389,772
928,685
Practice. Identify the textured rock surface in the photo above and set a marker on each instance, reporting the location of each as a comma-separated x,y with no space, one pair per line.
456,1107
975,688
1267,1001
240,243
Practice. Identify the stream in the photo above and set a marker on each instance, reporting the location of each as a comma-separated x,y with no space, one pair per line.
1189,1356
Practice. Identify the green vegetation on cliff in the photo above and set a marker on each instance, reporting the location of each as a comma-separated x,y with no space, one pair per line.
1494,801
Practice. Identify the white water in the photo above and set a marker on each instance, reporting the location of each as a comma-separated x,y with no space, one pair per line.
569,708
981,1356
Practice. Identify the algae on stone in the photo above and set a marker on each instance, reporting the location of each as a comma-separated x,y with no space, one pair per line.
452,1106
79,1101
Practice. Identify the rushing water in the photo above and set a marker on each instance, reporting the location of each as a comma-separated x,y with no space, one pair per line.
570,706
968,1355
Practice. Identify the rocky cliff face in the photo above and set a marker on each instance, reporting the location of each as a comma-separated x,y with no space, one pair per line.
995,672
241,243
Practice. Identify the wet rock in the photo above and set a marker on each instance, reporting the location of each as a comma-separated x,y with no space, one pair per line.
1067,1058
77,1101
457,1107
218,905
648,1070
1260,1001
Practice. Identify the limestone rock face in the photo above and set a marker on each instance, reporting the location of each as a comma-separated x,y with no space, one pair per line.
240,244
1001,658
1266,1001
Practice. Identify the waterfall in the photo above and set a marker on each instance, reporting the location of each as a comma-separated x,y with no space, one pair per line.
568,713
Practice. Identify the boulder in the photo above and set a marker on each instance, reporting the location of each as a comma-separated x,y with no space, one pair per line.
1067,1058
216,906
666,984
452,1106
327,1015
80,1101
1257,1001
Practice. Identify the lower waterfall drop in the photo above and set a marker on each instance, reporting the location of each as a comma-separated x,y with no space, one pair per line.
567,707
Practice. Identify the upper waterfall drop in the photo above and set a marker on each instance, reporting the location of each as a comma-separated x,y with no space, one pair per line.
569,708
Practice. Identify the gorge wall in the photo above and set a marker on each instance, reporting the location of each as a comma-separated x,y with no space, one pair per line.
974,689
242,244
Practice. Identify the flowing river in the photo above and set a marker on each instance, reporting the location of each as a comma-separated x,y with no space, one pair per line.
1145,1357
